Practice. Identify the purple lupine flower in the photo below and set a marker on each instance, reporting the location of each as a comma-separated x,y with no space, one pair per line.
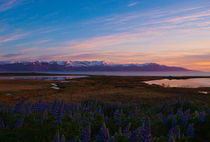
116,116
160,116
146,135
184,121
202,116
179,112
126,131
35,108
175,131
106,119
57,136
135,136
190,130
171,132
19,122
53,109
2,123
130,115
59,114
103,135
167,119
179,101
174,121
186,117
17,108
63,139
27,109
86,134
208,111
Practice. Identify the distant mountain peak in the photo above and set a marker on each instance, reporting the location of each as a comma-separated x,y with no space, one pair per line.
83,66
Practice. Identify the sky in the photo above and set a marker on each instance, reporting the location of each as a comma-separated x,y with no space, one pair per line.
169,32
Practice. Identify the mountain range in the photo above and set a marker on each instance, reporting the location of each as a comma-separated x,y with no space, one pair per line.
83,66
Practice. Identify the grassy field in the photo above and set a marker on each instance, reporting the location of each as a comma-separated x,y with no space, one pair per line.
102,109
104,88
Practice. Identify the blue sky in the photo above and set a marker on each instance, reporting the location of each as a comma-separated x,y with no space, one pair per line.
120,31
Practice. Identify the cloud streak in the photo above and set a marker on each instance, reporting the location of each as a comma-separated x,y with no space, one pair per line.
12,37
132,4
8,4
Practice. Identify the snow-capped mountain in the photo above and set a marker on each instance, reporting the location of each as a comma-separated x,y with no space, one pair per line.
83,66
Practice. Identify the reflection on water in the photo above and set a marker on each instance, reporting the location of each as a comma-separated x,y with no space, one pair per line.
186,83
42,77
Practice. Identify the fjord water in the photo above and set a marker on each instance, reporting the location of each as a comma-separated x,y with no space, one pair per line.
137,73
186,83
126,73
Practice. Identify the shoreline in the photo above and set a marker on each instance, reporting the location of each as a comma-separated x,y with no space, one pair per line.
123,89
58,74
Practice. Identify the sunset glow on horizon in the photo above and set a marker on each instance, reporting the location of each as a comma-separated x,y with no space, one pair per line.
168,32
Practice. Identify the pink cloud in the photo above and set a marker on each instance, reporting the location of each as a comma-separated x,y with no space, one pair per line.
12,37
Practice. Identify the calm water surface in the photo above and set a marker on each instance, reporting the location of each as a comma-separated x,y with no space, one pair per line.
140,73
186,83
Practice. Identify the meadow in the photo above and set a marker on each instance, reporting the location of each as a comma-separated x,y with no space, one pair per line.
97,121
102,109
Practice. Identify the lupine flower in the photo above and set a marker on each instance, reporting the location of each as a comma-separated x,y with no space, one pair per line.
179,101
160,116
130,115
174,121
117,117
53,109
126,131
146,135
106,119
190,130
179,112
35,108
18,108
186,117
136,112
86,134
167,119
57,136
171,131
19,122
202,116
27,109
59,114
135,136
2,123
184,121
103,135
